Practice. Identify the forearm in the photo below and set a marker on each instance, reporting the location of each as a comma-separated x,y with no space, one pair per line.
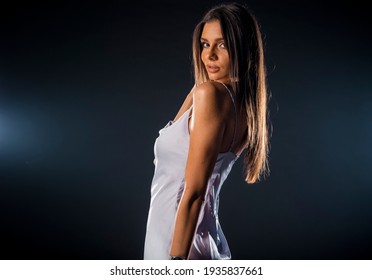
186,220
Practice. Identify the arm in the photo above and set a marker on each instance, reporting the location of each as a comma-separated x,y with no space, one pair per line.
206,134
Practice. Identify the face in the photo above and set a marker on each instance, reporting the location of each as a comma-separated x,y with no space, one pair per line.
214,53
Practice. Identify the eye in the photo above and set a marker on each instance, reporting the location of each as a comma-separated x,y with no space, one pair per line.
222,45
204,44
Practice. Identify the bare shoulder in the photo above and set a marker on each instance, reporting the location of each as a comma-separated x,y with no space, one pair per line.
209,94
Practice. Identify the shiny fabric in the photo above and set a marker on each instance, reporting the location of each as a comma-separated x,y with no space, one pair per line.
171,149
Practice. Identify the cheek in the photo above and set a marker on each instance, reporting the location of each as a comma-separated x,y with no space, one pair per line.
224,57
202,56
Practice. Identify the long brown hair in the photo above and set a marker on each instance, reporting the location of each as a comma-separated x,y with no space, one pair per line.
243,40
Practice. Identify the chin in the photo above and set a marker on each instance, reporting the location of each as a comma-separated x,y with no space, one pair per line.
219,79
214,77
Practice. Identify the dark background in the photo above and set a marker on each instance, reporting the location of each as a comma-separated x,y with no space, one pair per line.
85,87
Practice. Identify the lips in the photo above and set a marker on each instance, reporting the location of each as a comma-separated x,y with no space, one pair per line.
212,68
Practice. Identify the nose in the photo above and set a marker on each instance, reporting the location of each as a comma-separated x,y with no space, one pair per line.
211,54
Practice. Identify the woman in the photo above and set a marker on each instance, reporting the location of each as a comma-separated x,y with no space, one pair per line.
224,114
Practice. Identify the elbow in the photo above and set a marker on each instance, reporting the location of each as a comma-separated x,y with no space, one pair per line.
192,195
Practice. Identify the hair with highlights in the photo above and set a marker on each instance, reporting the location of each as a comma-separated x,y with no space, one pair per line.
243,40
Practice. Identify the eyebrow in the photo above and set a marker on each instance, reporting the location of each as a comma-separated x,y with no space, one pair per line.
217,39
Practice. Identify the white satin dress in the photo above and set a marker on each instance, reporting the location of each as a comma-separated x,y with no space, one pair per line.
171,149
